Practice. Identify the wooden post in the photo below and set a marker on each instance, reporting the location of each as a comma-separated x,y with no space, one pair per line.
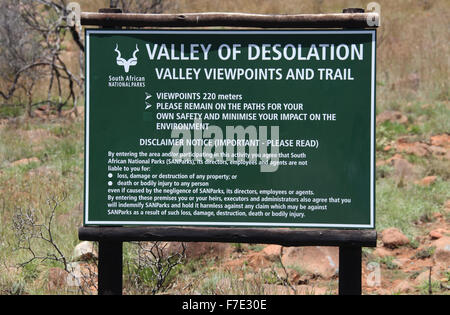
110,268
284,237
350,270
109,18
110,241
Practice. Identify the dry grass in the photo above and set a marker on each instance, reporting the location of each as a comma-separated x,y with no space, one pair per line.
412,54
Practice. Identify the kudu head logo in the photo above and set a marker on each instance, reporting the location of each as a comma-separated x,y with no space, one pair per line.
126,63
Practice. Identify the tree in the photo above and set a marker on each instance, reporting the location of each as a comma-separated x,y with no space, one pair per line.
32,36
142,6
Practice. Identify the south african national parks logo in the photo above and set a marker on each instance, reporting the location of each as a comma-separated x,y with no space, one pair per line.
129,80
126,63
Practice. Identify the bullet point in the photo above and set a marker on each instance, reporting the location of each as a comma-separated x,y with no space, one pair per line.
110,175
110,183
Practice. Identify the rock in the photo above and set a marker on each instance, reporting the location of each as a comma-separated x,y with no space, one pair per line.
272,252
401,262
403,287
424,277
195,250
258,261
292,275
437,234
57,279
322,261
426,181
296,278
416,148
85,251
394,158
438,151
442,252
382,252
234,265
442,140
392,116
83,276
393,237
25,161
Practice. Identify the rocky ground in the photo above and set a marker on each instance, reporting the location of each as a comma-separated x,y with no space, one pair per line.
397,265
415,260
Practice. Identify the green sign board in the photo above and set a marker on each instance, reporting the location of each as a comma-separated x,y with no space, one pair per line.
230,128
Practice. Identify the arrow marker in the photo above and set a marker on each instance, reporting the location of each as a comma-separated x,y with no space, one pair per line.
147,105
147,95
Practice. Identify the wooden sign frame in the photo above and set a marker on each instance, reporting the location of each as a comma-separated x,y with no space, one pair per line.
111,239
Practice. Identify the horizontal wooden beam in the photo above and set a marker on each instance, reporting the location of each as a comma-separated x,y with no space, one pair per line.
333,20
285,237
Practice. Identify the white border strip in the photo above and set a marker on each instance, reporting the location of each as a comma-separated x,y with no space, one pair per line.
372,126
94,31
86,131
249,224
254,224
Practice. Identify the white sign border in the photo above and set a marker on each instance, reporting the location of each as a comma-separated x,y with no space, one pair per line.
371,225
